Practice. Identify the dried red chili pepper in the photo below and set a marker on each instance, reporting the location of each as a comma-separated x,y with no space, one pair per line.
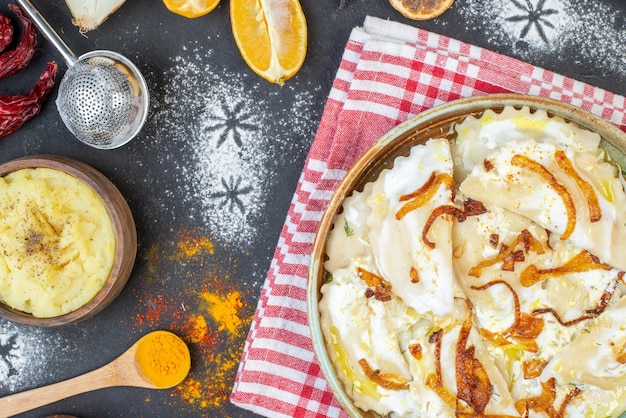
6,31
16,110
16,59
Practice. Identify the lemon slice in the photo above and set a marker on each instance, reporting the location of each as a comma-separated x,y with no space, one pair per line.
271,36
191,8
421,9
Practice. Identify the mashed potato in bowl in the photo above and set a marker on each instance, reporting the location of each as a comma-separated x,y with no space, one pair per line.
483,276
57,242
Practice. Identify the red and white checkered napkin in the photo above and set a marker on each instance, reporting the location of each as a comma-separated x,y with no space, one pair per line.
389,72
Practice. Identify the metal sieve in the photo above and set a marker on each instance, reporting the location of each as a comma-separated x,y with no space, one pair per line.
103,98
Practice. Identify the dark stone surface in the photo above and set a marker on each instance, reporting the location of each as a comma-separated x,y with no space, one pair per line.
197,81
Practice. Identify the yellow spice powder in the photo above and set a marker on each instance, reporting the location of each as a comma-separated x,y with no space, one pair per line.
199,328
191,246
163,358
225,310
192,391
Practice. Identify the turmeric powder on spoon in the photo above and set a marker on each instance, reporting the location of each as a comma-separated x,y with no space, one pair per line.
163,358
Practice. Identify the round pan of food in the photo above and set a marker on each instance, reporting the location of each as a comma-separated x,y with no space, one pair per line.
471,264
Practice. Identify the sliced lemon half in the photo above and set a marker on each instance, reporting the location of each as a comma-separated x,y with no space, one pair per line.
271,36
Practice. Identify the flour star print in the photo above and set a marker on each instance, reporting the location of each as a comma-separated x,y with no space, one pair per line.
534,16
232,123
232,194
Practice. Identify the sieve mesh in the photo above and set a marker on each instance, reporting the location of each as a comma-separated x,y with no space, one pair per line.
103,99
97,100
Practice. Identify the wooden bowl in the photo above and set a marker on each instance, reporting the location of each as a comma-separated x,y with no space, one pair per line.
433,123
125,238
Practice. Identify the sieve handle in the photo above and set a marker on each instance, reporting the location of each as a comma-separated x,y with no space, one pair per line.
48,31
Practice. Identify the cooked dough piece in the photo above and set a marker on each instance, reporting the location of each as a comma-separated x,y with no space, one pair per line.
412,246
575,195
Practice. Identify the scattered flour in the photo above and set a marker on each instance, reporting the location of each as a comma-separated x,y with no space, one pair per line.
26,356
229,133
234,134
589,33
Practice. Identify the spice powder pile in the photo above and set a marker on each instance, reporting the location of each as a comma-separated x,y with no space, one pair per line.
163,358
210,314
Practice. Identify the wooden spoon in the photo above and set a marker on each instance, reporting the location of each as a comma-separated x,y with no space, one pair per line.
125,370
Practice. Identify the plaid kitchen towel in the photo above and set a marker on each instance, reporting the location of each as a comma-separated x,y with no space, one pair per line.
388,73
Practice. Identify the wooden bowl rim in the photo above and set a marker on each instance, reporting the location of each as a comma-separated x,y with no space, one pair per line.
398,141
125,237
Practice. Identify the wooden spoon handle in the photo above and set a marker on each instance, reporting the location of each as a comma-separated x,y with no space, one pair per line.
103,377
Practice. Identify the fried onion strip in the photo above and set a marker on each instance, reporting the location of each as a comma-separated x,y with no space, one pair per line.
434,381
533,368
581,262
516,303
589,313
529,243
525,328
595,213
386,380
544,402
472,382
424,194
381,288
473,207
528,164
437,212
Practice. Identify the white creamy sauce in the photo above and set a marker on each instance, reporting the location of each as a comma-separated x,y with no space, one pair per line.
396,244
